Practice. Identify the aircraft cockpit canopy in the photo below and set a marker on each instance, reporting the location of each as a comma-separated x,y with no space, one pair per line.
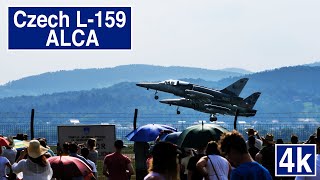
175,82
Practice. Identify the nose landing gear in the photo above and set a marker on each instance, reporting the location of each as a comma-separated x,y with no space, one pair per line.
156,97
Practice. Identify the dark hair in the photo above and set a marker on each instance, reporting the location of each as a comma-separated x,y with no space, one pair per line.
311,140
91,143
294,139
233,140
85,152
251,141
279,141
73,147
65,147
164,160
212,148
41,160
42,142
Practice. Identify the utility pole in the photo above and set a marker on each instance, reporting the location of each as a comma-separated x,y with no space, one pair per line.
31,124
235,119
135,119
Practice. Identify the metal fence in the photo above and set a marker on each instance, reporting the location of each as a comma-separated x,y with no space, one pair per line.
45,124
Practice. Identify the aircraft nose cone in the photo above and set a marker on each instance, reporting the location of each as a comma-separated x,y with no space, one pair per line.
140,84
154,86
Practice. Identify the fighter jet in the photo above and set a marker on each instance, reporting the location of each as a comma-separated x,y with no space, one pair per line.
244,108
188,90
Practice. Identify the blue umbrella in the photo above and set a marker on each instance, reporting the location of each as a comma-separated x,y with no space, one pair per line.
148,132
172,137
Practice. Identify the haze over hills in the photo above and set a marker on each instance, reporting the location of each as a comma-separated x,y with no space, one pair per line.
288,89
313,64
86,79
237,70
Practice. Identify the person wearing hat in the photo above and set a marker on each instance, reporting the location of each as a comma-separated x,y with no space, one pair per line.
36,165
266,156
164,164
117,166
258,142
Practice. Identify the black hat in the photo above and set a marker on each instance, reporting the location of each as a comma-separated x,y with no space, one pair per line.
119,144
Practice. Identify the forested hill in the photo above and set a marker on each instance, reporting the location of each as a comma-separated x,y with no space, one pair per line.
289,89
86,79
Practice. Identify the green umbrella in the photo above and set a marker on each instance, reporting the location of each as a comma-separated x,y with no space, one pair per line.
198,136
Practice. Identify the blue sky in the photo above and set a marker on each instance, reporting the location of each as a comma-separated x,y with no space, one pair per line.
211,34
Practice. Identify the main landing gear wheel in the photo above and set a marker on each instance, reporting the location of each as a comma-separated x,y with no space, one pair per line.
156,97
178,112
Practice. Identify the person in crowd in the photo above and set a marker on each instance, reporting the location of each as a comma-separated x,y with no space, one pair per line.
253,150
36,165
4,163
311,140
193,172
141,152
294,139
317,142
164,164
73,149
279,141
253,133
93,153
65,149
117,166
213,166
85,153
10,152
43,143
266,155
233,146
184,163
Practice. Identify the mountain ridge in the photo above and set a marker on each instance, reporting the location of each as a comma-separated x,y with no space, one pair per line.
86,79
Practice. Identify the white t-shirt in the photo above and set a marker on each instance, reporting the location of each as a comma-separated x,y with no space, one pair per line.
317,171
258,144
184,162
10,154
221,165
32,171
3,162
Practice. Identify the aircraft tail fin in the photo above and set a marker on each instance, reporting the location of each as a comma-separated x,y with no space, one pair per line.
251,100
235,88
